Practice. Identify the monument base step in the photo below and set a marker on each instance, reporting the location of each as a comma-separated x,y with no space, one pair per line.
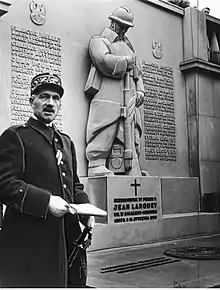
169,227
147,209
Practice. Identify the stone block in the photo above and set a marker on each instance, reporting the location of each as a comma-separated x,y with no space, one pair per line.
96,188
208,223
209,138
170,227
206,103
133,205
195,36
193,145
127,199
121,235
191,94
210,202
179,195
216,99
209,176
187,225
179,226
188,44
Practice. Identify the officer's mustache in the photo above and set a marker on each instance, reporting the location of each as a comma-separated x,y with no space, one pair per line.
49,109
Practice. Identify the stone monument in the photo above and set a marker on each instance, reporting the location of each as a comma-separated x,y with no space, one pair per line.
116,87
122,136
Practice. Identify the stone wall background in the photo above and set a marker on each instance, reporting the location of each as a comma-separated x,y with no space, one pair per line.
74,22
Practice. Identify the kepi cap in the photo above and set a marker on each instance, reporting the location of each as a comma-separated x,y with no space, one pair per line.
46,80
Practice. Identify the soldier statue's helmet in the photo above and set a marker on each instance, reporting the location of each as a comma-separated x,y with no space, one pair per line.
46,81
123,15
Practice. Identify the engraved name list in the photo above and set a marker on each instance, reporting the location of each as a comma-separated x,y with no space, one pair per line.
159,113
31,53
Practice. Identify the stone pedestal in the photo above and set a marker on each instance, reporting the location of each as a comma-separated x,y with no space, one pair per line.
146,209
127,199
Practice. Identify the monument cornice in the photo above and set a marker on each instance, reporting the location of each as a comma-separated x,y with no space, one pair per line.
199,65
166,6
4,5
212,19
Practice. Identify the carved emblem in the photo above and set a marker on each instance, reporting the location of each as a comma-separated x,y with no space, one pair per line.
38,12
157,49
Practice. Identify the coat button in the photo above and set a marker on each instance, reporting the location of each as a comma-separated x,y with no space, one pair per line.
21,190
64,186
56,140
63,173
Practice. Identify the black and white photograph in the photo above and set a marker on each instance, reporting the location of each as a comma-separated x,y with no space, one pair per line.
109,144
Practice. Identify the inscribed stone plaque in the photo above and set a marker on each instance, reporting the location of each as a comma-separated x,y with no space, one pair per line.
133,199
32,53
159,113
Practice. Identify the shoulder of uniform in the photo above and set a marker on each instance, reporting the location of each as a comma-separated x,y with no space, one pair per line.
96,38
17,127
64,134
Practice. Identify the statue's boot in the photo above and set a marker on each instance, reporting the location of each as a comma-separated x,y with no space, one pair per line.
97,168
145,173
99,171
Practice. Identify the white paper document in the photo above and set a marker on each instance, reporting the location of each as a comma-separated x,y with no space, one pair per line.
87,209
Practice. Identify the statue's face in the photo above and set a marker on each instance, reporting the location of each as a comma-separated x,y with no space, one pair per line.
119,28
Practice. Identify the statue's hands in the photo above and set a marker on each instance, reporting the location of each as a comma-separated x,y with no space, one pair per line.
130,62
139,98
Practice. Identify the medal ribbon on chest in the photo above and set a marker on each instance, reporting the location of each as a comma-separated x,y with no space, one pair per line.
59,156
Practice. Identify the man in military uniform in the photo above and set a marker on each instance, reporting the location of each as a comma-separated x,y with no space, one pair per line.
38,179
113,58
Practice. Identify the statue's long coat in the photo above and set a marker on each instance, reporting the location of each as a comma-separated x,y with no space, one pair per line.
33,243
109,57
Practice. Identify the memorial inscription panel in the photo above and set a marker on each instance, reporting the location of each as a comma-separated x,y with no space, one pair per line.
32,53
133,199
135,209
159,113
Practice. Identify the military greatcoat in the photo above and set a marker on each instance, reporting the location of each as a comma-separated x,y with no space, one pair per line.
34,244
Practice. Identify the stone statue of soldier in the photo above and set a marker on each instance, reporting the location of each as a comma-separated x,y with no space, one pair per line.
116,88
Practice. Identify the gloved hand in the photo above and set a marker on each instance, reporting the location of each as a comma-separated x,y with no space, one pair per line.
91,222
131,62
87,221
